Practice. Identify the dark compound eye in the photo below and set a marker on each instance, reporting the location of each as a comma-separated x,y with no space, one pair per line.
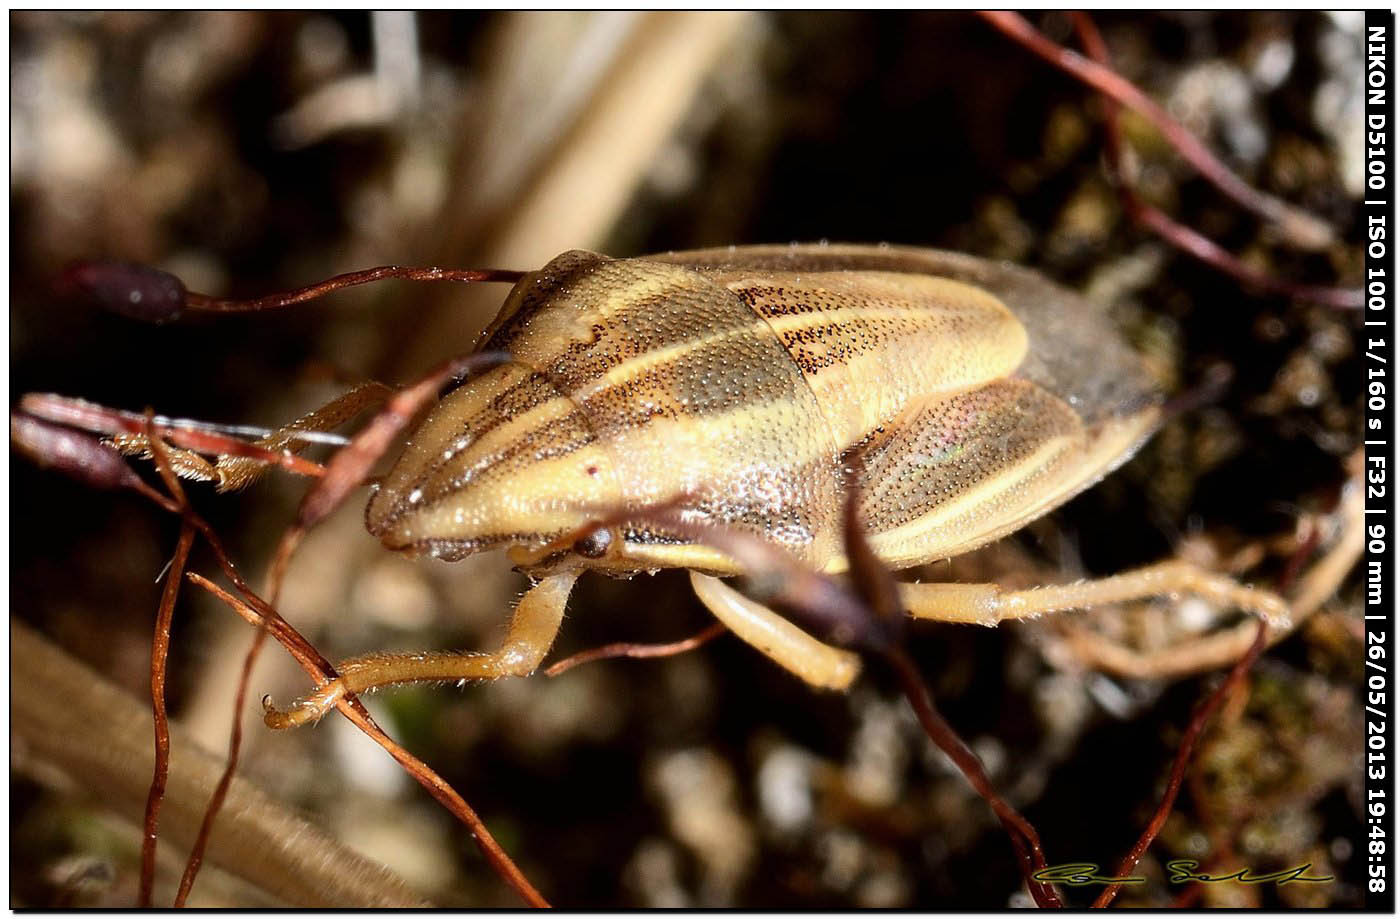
595,544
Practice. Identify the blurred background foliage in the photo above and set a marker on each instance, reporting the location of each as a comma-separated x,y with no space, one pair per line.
254,151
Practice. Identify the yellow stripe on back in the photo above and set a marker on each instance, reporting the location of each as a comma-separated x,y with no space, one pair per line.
870,342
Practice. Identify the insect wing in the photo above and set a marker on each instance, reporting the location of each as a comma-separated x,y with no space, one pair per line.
955,470
1075,351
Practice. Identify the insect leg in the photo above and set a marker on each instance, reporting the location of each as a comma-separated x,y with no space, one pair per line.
238,472
819,664
233,472
989,604
1218,649
528,639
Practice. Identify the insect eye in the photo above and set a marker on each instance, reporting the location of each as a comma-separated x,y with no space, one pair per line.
595,544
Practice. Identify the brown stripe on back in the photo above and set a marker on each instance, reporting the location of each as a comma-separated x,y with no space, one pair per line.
869,343
519,400
657,324
1076,351
709,376
731,422
577,325
691,392
502,414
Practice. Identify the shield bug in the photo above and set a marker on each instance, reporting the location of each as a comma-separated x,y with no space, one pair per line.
736,385
595,547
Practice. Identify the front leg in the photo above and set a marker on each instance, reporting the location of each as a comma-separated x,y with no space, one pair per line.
531,633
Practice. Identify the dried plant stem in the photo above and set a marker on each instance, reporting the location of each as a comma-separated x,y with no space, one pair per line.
579,186
65,717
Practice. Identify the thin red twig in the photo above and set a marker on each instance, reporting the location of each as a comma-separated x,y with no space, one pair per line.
354,710
346,471
235,745
150,295
860,619
1178,234
1197,725
1222,852
100,465
160,652
99,419
1193,243
263,616
1097,73
1174,232
1024,838
1290,573
629,649
1107,81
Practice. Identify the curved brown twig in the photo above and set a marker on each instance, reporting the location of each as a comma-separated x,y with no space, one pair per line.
1108,82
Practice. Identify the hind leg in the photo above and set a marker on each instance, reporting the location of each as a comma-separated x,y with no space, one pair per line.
1219,649
989,604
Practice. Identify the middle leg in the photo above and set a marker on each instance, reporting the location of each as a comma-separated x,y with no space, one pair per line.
818,663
